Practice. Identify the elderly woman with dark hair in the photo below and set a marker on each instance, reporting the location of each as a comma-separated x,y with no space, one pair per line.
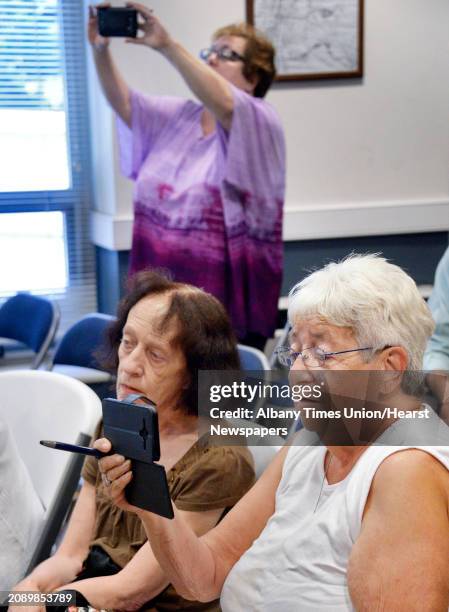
165,333
209,176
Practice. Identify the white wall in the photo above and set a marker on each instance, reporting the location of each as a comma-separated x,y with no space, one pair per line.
364,157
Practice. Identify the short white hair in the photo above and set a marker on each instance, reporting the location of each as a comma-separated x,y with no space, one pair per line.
376,299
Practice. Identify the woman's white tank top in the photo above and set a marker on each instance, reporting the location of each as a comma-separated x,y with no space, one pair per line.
299,562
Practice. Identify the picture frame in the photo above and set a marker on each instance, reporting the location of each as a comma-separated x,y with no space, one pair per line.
314,39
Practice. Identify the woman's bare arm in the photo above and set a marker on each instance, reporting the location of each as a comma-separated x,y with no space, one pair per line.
142,578
112,83
401,558
212,89
197,567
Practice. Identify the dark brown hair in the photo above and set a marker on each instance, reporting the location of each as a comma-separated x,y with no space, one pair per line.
259,55
204,332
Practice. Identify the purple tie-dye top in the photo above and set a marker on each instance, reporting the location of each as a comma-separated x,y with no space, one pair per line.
209,208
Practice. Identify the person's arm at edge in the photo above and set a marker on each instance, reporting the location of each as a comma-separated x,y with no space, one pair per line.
142,578
438,383
198,567
112,83
67,562
400,560
436,357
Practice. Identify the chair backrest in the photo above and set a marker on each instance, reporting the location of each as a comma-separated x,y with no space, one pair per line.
264,453
252,359
39,405
254,362
282,340
79,343
32,320
262,448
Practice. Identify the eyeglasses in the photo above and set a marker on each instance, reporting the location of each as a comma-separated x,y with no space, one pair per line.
224,53
311,357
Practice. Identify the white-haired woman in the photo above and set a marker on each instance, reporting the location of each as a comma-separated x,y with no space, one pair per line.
331,527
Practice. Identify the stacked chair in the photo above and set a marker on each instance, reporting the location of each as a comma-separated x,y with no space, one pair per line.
39,405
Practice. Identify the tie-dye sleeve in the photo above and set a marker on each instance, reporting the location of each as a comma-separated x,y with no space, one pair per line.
150,116
254,147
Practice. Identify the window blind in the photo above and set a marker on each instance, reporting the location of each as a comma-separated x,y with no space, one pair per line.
44,120
31,59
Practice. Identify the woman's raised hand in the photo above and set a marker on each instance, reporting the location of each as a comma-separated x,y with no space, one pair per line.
154,34
99,43
116,474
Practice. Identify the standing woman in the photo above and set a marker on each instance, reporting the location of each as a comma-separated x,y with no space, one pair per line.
209,176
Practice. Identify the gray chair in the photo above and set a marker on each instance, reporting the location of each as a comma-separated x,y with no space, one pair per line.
264,452
39,405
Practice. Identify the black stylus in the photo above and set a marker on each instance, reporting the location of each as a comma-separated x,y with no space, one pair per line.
73,448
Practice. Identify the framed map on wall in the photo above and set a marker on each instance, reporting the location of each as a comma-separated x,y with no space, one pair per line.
314,39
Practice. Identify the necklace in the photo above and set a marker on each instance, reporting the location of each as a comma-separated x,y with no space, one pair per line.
326,469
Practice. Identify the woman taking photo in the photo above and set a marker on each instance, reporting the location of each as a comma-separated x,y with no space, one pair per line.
209,176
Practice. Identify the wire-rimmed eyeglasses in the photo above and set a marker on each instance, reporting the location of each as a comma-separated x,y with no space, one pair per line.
313,357
224,53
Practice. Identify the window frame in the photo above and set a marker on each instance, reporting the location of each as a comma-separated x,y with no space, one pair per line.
75,201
